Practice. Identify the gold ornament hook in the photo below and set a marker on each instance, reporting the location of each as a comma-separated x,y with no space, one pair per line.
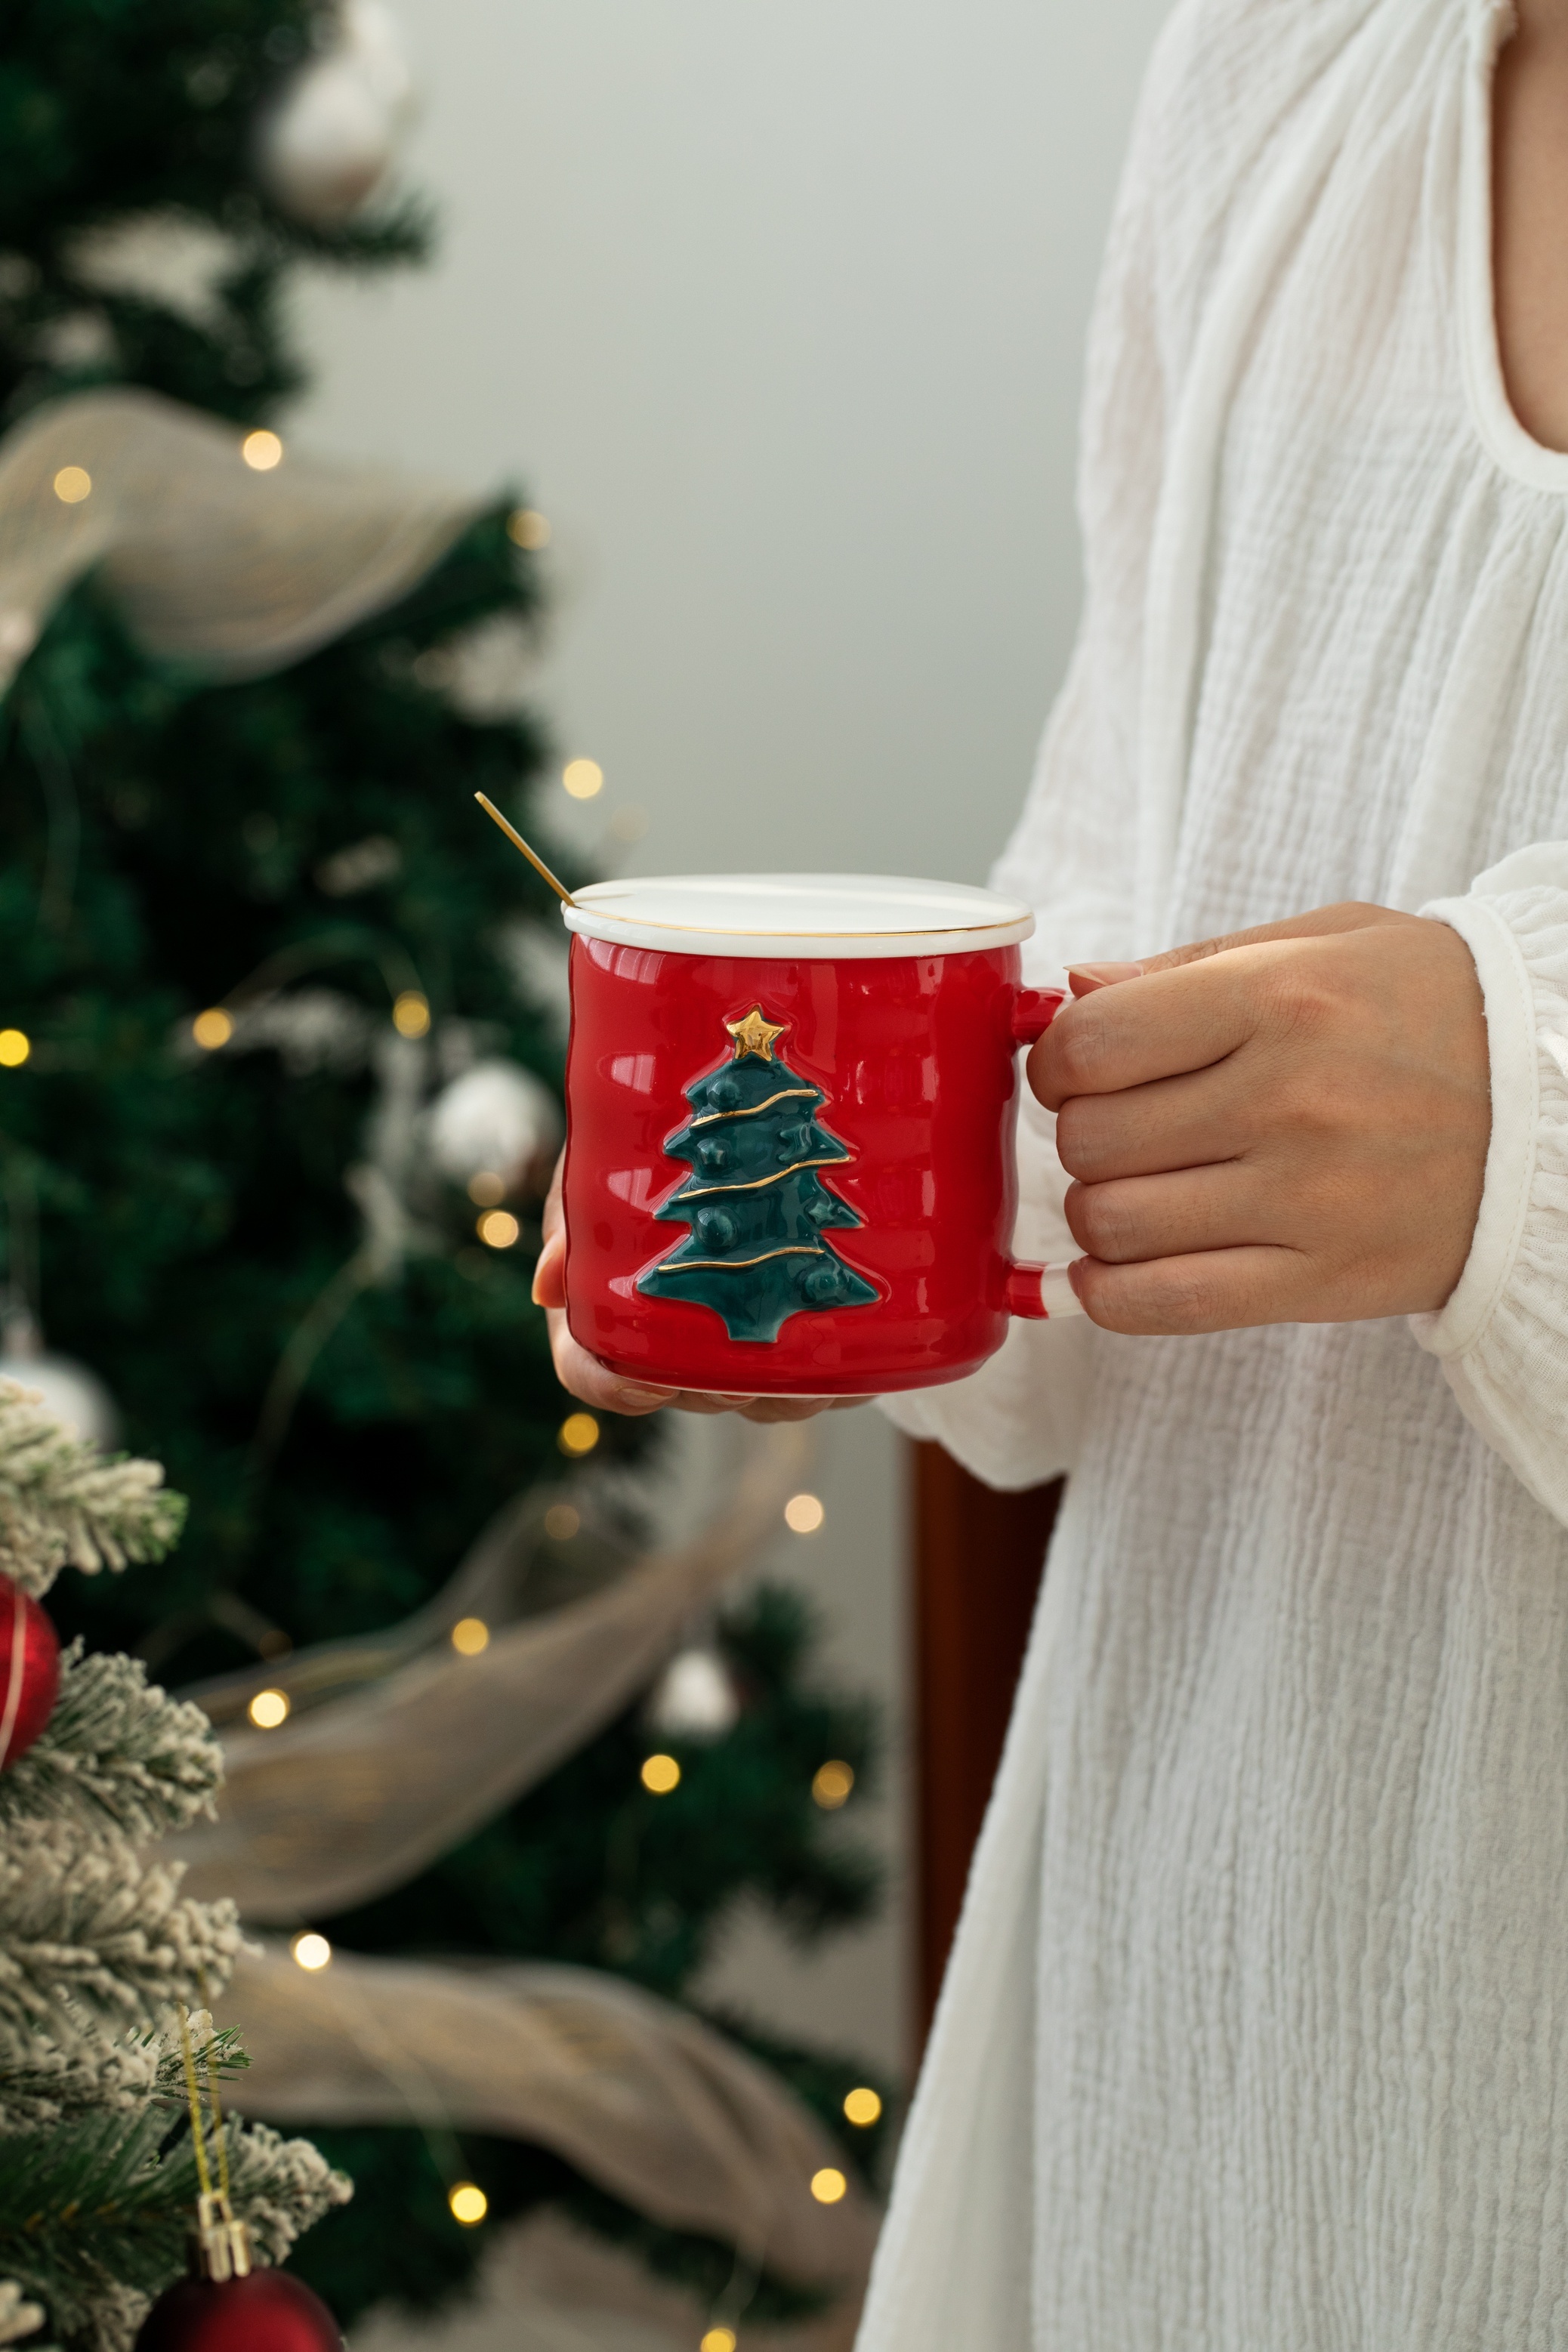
220,2248
532,856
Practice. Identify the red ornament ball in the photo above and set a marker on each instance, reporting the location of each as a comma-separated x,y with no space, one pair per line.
29,1671
270,2311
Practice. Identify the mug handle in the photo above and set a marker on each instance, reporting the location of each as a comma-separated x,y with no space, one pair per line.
1039,1294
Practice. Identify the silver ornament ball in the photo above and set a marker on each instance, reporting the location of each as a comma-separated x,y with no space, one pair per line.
332,137
695,1697
497,1117
65,1389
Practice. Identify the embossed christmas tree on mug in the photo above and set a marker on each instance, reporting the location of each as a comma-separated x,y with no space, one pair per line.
755,1201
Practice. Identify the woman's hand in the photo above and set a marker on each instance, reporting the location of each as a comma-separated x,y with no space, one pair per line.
1286,1126
583,1375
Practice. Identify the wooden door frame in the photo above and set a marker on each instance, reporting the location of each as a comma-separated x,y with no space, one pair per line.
977,1561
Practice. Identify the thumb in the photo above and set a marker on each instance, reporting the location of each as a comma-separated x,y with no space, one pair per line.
549,1271
1083,978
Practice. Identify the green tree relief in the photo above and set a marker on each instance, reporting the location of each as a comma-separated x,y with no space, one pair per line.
755,1201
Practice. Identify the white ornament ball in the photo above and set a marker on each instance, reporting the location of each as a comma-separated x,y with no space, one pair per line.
332,137
695,1697
498,1117
65,1390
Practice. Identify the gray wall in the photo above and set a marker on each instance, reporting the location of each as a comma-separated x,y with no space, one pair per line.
777,311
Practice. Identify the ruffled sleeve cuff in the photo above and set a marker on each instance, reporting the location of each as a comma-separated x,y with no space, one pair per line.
1502,1337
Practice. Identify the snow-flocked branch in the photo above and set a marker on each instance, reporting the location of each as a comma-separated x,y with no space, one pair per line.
93,1937
141,1762
61,1502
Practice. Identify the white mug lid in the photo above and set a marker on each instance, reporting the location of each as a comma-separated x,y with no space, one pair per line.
835,916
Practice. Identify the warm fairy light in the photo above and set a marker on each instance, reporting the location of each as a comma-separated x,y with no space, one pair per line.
828,2184
486,1188
15,1047
578,1434
468,2203
267,1709
526,527
498,1229
310,1950
72,484
561,1522
661,1774
831,1784
213,1028
718,2340
803,1514
862,2105
469,1636
261,451
582,779
411,1013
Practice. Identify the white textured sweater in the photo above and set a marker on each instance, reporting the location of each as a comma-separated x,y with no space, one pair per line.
1255,2035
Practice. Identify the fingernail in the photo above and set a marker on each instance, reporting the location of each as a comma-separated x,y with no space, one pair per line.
631,1392
1075,1275
1105,975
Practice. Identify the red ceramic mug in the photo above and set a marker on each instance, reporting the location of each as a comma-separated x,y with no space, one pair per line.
790,1110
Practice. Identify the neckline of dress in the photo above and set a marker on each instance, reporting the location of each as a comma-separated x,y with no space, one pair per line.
1516,451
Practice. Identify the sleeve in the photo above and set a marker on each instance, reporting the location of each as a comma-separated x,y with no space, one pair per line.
1072,853
1502,1339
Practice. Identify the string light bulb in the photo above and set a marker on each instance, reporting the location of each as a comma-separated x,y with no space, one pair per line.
561,1522
719,2339
803,1514
527,527
261,451
498,1229
828,2184
72,484
411,1013
578,1434
486,1188
862,2105
269,1709
468,2203
583,779
469,1636
15,1047
661,1774
213,1028
312,1951
832,1783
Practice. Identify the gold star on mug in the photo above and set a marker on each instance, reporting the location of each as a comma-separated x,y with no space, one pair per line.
755,1036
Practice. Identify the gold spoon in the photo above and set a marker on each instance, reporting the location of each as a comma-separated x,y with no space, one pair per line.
532,856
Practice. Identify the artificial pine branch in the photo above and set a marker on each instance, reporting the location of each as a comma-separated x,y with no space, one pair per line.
95,2213
60,1501
93,1937
118,1746
98,2073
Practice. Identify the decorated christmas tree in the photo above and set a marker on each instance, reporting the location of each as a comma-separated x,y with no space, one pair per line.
757,1206
106,2045
280,1051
